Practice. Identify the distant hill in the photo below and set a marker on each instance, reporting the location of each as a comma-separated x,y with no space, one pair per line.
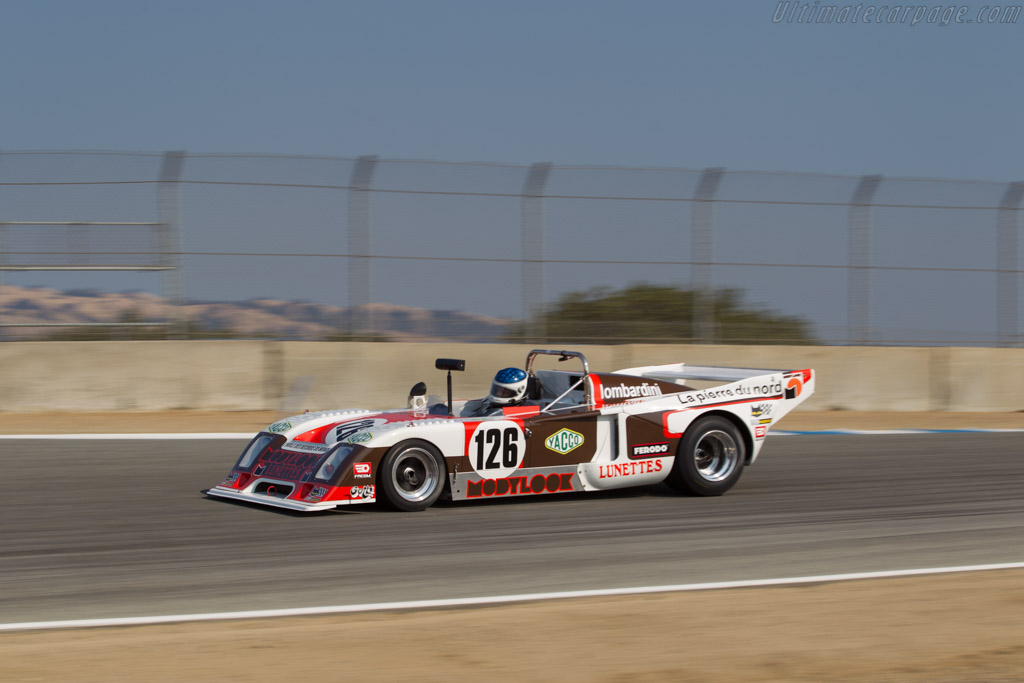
253,318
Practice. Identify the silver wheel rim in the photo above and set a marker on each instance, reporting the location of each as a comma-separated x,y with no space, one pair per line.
415,474
716,455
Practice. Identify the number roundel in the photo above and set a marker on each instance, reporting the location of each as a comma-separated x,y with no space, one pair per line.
496,448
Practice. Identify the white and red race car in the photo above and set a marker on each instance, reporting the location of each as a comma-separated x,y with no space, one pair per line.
577,431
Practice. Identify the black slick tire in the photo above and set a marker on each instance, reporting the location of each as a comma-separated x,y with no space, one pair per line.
710,458
412,475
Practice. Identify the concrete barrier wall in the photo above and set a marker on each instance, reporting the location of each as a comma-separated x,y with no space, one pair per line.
293,376
103,376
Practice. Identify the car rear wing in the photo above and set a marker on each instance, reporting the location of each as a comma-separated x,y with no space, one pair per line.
677,371
740,385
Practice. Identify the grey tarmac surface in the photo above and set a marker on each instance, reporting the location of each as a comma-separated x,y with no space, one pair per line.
120,528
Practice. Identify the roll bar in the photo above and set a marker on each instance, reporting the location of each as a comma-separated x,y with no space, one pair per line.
562,357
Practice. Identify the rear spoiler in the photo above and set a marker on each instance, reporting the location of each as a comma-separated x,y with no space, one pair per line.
675,371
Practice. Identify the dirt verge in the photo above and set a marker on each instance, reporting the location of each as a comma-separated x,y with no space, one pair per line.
957,627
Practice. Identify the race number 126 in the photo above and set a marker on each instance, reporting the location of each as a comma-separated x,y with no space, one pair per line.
497,448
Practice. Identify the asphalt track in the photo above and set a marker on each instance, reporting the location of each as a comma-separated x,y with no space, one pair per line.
100,529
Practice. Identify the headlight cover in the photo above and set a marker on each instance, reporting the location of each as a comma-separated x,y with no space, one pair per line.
256,448
334,461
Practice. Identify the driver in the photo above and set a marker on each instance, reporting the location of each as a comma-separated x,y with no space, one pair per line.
507,389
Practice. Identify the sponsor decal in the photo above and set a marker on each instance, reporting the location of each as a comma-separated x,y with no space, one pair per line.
282,464
648,450
762,421
563,441
306,447
743,391
363,492
760,432
519,486
624,391
628,469
348,429
496,448
761,409
793,387
317,493
279,427
361,470
361,437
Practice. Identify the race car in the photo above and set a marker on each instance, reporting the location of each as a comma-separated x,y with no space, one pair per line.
574,430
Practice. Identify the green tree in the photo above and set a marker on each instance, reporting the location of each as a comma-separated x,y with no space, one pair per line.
659,314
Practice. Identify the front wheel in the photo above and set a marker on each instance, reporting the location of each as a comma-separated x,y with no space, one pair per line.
412,475
710,458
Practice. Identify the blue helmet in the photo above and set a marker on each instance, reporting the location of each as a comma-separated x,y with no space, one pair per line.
509,387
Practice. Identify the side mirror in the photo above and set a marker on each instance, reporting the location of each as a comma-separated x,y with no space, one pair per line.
418,397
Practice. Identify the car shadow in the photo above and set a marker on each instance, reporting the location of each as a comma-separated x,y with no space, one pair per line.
650,491
380,507
282,511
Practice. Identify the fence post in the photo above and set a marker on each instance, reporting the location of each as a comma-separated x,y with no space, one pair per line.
169,209
360,317
534,323
858,303
702,248
1008,265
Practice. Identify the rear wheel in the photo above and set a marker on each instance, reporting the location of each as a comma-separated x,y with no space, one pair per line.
412,475
710,458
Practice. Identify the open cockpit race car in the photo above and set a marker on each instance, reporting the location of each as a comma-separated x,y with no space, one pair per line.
574,430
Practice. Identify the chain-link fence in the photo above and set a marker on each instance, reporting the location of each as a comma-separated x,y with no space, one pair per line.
334,248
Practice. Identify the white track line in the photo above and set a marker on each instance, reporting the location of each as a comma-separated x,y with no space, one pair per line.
248,435
494,600
129,437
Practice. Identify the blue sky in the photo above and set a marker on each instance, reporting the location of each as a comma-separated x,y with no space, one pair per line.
642,83
636,83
